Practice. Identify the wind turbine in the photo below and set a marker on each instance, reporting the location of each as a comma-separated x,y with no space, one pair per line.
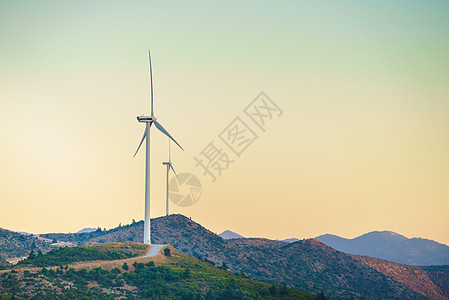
149,120
169,166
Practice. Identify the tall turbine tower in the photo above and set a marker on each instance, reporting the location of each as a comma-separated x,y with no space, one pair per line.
149,120
169,166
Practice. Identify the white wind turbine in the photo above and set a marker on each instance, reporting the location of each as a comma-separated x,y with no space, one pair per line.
149,120
169,166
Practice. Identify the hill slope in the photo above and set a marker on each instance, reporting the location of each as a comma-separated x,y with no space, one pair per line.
391,246
312,266
305,265
171,276
432,282
15,245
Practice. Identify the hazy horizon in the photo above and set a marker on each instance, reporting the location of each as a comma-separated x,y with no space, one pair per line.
361,144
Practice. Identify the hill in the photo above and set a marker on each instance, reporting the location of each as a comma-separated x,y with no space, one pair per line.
16,245
432,281
391,246
304,265
229,235
172,275
311,266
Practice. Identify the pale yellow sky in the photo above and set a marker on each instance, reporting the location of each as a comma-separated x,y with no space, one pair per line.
362,143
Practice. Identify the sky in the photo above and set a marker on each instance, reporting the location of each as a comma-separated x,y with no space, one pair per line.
357,140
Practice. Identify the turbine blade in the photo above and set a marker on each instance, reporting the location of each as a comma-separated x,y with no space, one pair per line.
143,138
173,169
151,83
162,129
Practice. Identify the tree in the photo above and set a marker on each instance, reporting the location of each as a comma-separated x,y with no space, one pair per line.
54,241
125,266
138,266
150,264
167,252
32,255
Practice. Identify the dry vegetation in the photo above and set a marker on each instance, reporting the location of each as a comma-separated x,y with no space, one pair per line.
411,276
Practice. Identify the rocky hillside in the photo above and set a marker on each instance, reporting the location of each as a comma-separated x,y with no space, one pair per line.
432,281
15,245
305,265
310,265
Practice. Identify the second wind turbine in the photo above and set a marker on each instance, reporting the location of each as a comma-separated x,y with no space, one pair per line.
169,166
149,120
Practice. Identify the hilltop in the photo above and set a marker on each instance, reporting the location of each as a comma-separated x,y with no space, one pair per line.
307,265
391,246
170,274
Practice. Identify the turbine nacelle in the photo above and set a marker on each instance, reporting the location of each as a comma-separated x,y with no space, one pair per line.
146,119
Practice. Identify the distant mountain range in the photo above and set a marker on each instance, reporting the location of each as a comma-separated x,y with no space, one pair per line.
391,246
86,230
386,245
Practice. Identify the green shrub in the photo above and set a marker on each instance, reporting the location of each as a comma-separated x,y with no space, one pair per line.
125,266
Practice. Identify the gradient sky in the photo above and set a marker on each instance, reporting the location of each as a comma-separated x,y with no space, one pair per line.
362,145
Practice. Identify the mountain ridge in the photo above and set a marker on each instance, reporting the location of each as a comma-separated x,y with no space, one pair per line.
391,246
